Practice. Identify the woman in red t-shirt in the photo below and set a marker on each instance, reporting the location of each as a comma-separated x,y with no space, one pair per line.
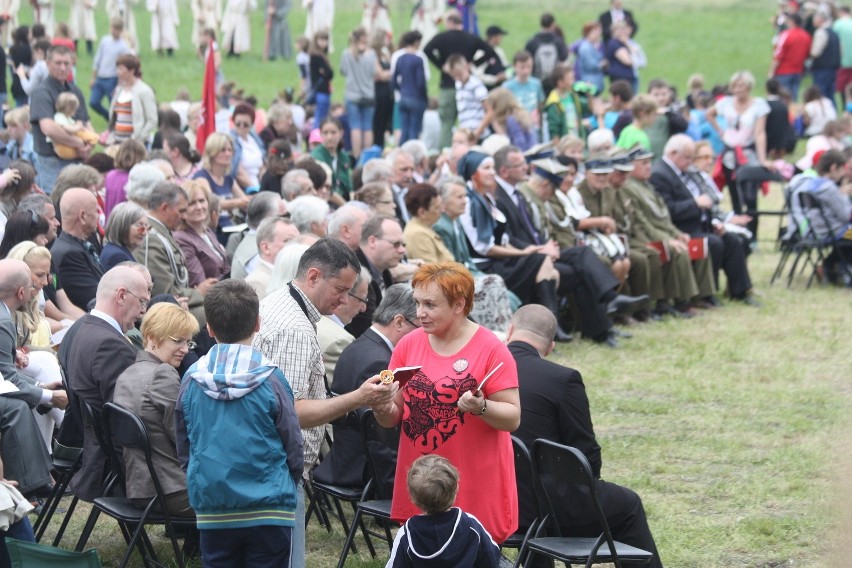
441,409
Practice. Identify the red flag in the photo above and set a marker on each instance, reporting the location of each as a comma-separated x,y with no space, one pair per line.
207,116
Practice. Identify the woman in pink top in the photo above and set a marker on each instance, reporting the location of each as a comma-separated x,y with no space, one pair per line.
130,153
441,409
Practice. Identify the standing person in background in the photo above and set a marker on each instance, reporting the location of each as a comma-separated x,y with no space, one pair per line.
619,56
133,109
381,44
842,26
206,15
453,41
321,75
9,9
122,10
376,17
104,74
409,80
21,58
4,92
320,18
791,51
825,53
236,28
615,14
590,58
164,23
360,67
526,88
280,42
81,23
426,17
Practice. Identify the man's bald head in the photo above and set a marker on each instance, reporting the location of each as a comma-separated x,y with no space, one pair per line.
79,211
535,325
13,275
118,277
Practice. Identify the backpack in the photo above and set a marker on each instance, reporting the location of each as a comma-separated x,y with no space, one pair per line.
545,59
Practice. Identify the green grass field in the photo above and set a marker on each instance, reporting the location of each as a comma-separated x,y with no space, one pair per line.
733,426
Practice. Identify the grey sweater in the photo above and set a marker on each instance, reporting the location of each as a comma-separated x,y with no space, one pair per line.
360,75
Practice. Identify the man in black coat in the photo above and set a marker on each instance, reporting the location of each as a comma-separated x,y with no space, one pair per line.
75,259
365,357
94,353
691,212
554,406
616,13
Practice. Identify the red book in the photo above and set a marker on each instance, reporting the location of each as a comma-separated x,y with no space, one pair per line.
663,247
207,116
698,248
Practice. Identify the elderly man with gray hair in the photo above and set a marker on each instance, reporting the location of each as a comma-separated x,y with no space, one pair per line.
141,180
161,254
402,176
242,247
310,214
346,223
295,183
365,357
272,235
377,169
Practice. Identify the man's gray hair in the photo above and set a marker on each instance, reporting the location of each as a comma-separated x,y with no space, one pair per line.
377,169
417,149
392,157
266,229
290,186
398,299
165,192
446,183
347,214
142,179
34,203
306,210
600,140
363,275
262,206
677,144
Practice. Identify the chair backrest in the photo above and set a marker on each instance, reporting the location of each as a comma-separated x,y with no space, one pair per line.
31,555
529,498
565,475
813,214
92,418
126,430
758,174
381,446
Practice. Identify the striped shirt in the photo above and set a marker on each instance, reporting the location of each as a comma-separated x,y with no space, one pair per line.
288,338
123,110
469,97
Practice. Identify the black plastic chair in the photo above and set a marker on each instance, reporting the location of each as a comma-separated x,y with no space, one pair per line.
525,476
560,469
748,180
66,468
380,445
125,430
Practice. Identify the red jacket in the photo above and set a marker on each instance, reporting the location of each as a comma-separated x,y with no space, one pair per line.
791,51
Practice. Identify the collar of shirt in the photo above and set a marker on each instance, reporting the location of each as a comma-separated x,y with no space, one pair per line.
672,166
8,311
336,320
508,187
109,319
383,336
159,225
313,313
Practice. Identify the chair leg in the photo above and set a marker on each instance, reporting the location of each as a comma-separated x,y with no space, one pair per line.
343,521
350,539
367,540
87,529
48,510
68,514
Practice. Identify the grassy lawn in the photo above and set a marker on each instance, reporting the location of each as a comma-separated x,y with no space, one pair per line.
732,426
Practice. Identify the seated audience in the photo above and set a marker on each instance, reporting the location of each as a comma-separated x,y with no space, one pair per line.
130,152
125,231
24,226
205,257
242,247
75,258
272,236
333,339
310,215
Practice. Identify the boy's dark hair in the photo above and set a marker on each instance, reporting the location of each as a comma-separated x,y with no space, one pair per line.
621,89
329,256
232,309
433,483
657,84
559,73
410,38
521,56
315,171
547,20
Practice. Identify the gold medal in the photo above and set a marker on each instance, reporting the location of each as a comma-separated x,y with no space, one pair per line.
386,377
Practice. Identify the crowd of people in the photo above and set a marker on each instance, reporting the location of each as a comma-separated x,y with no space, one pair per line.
278,264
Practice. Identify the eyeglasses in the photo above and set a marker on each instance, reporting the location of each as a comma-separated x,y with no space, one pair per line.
395,244
359,298
142,301
142,226
411,323
190,344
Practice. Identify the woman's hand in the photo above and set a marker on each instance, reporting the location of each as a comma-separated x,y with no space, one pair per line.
472,403
21,359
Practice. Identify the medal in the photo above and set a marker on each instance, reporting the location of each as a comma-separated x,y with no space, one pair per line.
460,365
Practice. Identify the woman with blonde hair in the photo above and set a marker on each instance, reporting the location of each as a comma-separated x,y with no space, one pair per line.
33,356
205,256
149,389
509,118
216,163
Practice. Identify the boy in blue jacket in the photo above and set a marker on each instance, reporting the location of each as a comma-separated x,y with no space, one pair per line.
443,535
238,439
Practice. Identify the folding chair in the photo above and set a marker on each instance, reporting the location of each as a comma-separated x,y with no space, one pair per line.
811,248
66,468
32,555
525,477
560,469
748,180
125,430
380,446
788,236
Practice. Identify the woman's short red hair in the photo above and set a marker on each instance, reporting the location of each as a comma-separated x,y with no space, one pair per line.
454,280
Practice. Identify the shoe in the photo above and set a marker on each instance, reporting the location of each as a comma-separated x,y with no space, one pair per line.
622,319
562,336
643,316
43,492
683,311
714,301
608,339
750,301
622,303
702,304
620,333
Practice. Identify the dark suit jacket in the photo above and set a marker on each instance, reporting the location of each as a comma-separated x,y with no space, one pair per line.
93,354
28,391
345,464
685,213
554,406
519,235
606,23
363,320
77,269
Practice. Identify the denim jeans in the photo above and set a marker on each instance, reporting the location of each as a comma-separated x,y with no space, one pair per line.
322,105
790,82
103,87
411,118
297,543
48,170
825,80
22,530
